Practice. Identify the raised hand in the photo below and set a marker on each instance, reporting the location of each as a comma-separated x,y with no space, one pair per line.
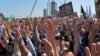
77,24
42,25
5,31
51,36
15,24
29,24
18,36
68,26
88,24
94,51
48,47
93,32
76,33
95,26
29,32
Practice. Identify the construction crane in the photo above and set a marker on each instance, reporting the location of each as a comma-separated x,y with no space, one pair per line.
33,8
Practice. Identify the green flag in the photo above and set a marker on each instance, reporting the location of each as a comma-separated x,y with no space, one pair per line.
83,12
10,19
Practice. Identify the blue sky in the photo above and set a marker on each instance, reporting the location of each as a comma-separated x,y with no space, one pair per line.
22,8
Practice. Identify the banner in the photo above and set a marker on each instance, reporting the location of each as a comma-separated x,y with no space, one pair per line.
66,9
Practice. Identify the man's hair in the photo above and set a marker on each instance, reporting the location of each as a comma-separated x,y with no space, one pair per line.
66,51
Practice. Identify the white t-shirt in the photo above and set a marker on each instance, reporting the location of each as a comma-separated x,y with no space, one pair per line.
29,54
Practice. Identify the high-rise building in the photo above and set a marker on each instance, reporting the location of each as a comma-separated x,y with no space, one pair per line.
48,8
53,8
45,12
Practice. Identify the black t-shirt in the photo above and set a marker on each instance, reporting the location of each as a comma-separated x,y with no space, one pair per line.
85,39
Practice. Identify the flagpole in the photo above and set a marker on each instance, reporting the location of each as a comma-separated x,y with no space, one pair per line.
33,8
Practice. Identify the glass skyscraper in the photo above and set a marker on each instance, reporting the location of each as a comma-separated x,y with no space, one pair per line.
53,8
45,12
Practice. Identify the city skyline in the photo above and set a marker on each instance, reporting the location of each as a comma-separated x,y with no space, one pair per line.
51,9
22,8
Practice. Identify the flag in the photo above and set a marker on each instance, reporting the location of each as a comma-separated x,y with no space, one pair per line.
83,12
10,19
90,13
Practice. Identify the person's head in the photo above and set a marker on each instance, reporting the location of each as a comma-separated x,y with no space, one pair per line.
67,53
62,43
82,31
67,44
10,48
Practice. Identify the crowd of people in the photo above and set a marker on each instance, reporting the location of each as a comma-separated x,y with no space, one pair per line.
66,36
